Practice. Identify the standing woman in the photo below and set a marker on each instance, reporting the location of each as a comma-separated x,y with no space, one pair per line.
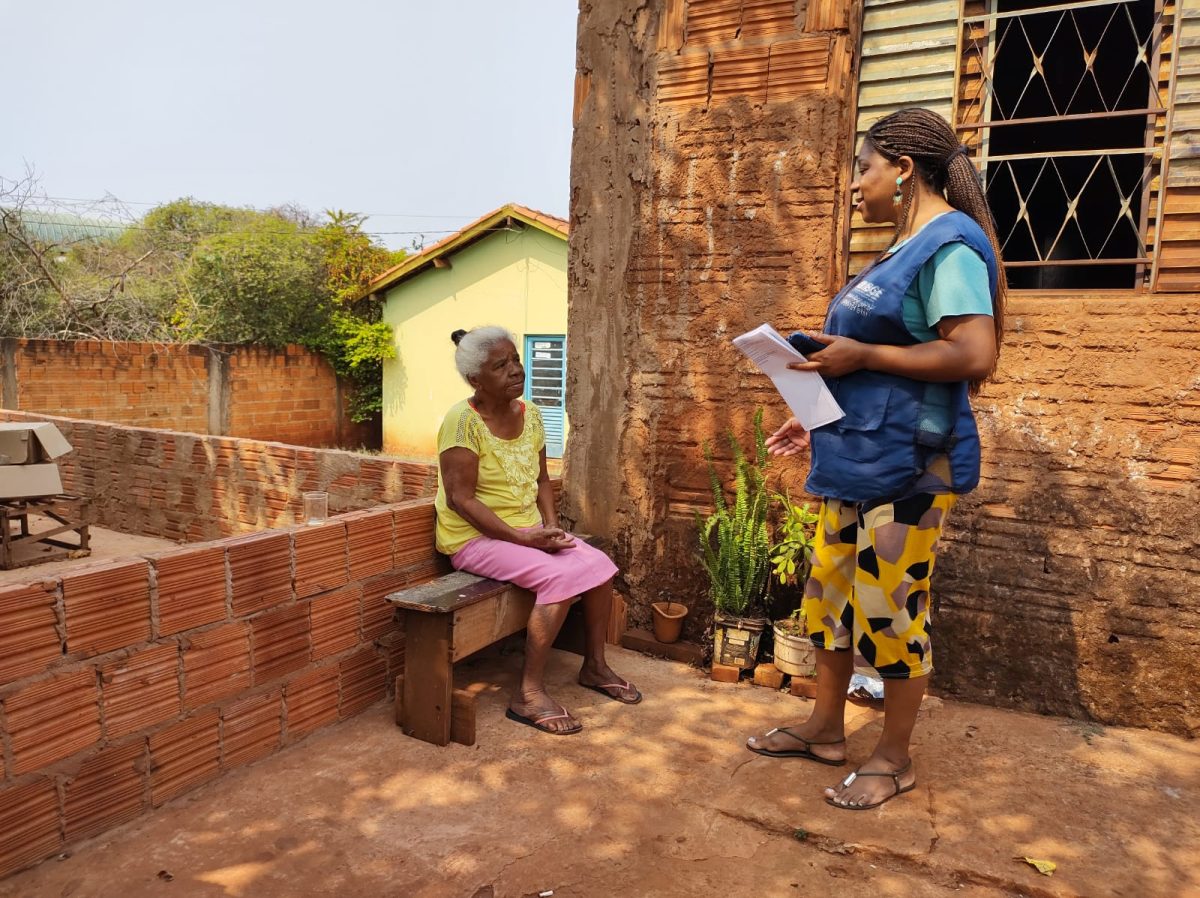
496,517
907,341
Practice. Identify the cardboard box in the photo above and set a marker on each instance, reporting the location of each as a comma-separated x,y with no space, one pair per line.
29,481
30,442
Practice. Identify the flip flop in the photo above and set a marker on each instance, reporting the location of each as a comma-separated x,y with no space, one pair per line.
536,722
803,752
894,774
604,687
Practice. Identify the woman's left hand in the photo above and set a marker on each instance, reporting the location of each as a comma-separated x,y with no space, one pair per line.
841,355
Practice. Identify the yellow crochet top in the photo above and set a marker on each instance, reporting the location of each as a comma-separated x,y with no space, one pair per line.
508,472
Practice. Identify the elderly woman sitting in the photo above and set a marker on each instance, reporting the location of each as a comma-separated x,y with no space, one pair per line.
496,518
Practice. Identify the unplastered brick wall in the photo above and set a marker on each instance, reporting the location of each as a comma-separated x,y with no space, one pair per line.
1069,581
288,395
124,685
190,487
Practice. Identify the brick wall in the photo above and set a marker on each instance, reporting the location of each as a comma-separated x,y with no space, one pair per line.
1068,582
287,395
190,487
124,685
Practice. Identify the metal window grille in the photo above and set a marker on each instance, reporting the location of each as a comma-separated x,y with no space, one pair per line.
1062,106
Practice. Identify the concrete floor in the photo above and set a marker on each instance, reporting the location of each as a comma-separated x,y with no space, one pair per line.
661,799
104,545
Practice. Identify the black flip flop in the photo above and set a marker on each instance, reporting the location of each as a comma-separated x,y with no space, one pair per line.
604,687
799,752
894,774
536,723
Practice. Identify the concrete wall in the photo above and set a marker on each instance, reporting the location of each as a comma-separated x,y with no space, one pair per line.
126,684
288,395
189,487
1068,582
515,279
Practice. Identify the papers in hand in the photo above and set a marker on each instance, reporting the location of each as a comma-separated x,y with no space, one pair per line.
804,391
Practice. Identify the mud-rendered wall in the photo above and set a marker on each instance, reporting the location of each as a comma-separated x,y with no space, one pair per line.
702,205
707,169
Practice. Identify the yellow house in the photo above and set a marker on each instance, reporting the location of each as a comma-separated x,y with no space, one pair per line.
509,268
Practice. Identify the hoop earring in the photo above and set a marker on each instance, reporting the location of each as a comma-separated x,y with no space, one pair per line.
899,197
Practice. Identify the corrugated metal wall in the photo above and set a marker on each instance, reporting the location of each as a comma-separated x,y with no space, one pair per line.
1177,267
909,48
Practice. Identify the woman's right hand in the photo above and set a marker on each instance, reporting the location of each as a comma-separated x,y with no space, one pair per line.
789,439
548,539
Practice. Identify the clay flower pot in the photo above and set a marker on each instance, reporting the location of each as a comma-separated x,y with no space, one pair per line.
668,620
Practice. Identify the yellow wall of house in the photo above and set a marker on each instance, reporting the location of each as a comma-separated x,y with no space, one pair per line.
515,279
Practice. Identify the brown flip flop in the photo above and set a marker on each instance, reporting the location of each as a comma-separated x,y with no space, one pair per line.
803,752
537,722
604,687
894,774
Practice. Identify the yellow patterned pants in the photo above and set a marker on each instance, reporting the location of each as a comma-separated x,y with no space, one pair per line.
869,587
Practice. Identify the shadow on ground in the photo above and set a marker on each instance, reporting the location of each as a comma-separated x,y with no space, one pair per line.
661,799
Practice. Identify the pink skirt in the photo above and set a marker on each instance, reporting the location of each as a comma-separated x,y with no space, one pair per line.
553,576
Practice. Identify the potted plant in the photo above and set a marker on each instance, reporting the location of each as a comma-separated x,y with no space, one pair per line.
791,558
668,620
735,549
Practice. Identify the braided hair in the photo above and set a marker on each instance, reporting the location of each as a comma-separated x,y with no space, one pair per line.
942,163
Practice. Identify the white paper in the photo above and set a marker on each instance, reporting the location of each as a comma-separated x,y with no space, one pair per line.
804,391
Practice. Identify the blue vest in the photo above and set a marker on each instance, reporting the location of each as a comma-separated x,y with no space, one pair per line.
883,445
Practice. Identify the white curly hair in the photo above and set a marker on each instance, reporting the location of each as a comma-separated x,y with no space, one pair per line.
473,347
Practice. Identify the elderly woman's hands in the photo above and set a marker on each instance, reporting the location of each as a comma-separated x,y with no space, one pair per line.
548,539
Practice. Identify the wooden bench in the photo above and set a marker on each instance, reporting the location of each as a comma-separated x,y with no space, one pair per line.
445,620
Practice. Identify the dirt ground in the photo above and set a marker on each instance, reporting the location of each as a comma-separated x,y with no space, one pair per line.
104,545
661,799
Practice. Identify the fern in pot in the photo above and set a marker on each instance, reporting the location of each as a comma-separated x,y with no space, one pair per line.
735,545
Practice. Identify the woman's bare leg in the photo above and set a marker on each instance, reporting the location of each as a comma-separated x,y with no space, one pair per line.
530,699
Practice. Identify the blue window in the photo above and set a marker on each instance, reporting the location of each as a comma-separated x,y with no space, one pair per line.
546,385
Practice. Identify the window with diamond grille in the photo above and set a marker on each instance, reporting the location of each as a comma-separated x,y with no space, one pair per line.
1064,106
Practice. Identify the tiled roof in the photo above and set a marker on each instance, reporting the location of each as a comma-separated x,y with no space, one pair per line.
481,227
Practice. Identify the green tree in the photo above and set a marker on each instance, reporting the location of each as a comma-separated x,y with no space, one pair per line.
262,283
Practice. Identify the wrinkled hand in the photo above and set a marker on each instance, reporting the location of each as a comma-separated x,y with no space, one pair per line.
789,439
548,539
841,355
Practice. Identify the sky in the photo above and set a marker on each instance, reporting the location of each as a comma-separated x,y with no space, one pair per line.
424,113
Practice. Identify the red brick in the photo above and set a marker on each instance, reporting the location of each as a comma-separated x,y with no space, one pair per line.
725,673
805,687
334,621
251,729
191,589
109,790
141,690
29,828
320,558
107,607
281,642
378,614
184,756
53,719
370,541
363,681
311,701
29,639
261,569
216,664
768,675
413,535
